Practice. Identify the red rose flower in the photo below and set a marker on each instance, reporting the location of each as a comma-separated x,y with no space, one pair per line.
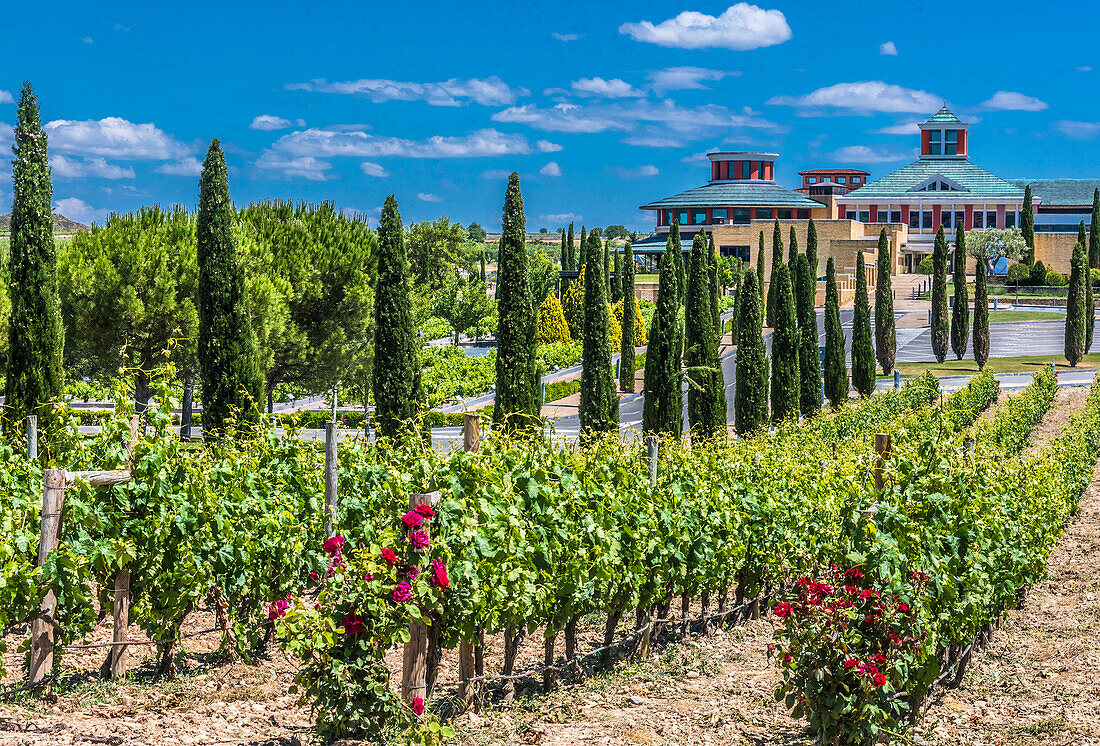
895,639
782,609
277,609
334,545
412,519
353,624
389,556
903,607
853,572
851,663
420,540
439,573
402,593
412,573
425,511
879,679
418,706
880,659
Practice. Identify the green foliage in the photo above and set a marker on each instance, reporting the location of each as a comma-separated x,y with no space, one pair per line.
1038,273
751,385
631,323
1018,274
863,353
232,382
926,266
617,278
777,259
811,250
1094,231
662,411
36,339
885,335
836,370
760,268
785,387
809,362
677,258
701,349
1056,279
981,320
1075,306
612,232
712,279
518,390
463,303
543,273
792,250
572,304
436,247
991,245
475,232
599,405
571,250
1027,227
939,297
552,326
960,312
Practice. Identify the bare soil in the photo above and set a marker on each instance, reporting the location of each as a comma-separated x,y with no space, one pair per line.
1067,400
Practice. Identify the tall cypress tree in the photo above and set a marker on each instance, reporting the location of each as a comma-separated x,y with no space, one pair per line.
662,411
517,393
1027,226
785,388
396,379
836,371
572,248
885,335
863,354
777,259
811,250
760,270
582,251
792,250
231,379
809,364
606,274
738,277
1090,306
751,386
1075,306
564,253
35,336
701,353
617,280
1094,231
599,406
939,297
960,313
981,317
678,264
712,276
626,361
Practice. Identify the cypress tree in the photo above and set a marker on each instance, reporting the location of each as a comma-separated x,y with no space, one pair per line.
582,251
811,250
785,389
571,248
760,269
737,294
662,410
777,259
564,253
517,392
836,371
35,336
1094,231
809,364
678,264
960,313
599,406
863,354
712,276
1090,306
701,354
792,250
231,380
1075,306
396,379
617,280
1027,226
626,361
750,392
483,276
885,336
939,297
981,317
606,274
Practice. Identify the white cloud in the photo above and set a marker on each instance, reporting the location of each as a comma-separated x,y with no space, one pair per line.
1013,101
427,197
491,91
77,209
97,168
640,172
868,154
550,169
740,27
6,97
614,88
326,143
113,137
88,40
563,117
901,128
698,157
888,49
182,167
1084,69
684,78
302,167
863,97
269,123
373,169
560,217
545,146
497,173
1078,130
565,37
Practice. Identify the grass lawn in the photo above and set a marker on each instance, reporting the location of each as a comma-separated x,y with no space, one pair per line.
1001,315
645,278
1027,364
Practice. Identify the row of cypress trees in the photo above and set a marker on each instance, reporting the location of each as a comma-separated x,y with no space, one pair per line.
958,331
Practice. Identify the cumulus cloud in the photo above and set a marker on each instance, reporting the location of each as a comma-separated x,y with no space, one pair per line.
1080,69
862,97
6,97
1077,130
491,91
182,167
88,40
299,167
684,78
640,172
325,143
1013,101
550,169
563,117
269,123
77,209
561,217
566,37
496,173
373,169
614,88
901,128
545,146
113,137
869,154
888,49
740,27
97,168
428,197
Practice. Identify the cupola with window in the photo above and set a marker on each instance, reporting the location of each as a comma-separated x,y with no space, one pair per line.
742,166
943,136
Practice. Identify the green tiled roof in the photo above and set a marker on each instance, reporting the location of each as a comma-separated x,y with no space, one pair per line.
944,115
1061,192
735,194
975,180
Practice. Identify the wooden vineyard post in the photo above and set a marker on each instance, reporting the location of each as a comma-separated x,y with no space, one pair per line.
469,692
882,448
119,637
32,436
330,477
414,665
42,628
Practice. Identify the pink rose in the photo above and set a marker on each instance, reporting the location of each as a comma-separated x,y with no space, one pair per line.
334,545
389,556
418,706
425,511
420,540
353,624
402,593
412,519
439,573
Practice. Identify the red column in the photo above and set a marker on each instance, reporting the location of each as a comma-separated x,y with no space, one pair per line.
724,170
873,216
905,214
969,213
714,170
1000,216
710,216
935,217
962,142
754,169
737,170
924,140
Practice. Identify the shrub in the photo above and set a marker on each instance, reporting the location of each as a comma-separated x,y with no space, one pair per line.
552,326
615,327
1018,274
572,304
639,327
926,266
1056,279
1094,276
1038,274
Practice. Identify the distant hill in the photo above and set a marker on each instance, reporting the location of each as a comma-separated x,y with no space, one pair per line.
61,224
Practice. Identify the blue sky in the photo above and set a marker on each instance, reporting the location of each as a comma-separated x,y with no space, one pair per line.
599,106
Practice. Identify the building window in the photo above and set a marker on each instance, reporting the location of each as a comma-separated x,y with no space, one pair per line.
699,216
979,222
883,215
740,216
840,180
960,218
945,218
850,215
763,213
951,142
926,220
746,169
935,138
895,216
855,179
682,217
991,219
803,214
719,214
865,216
914,219
783,214
741,252
811,179
1010,219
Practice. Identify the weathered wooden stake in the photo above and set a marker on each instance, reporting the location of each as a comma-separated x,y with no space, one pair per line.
469,693
651,448
882,448
414,668
42,628
32,436
121,624
330,476
471,432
